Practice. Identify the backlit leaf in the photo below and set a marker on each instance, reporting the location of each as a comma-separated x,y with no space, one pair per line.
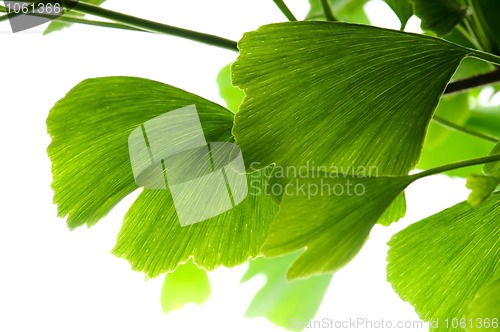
90,127
330,216
187,284
338,94
153,241
344,10
231,94
285,303
483,186
403,10
440,16
56,25
484,311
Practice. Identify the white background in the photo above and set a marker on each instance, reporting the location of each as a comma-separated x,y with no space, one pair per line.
55,280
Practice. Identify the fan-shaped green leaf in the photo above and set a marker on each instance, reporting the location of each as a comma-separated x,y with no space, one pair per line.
339,94
403,10
440,16
56,25
289,304
441,262
483,186
92,172
231,94
187,284
331,217
153,241
345,10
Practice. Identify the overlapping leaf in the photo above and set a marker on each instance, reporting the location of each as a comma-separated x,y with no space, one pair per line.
285,303
345,10
445,145
441,262
440,16
403,10
187,284
486,12
57,25
231,95
483,186
92,173
330,217
484,311
339,94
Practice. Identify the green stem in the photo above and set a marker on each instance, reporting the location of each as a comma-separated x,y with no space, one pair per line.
488,57
457,165
328,10
466,130
285,10
73,19
3,9
146,25
152,26
12,15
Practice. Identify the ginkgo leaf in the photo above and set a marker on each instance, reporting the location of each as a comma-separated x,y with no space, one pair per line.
56,25
231,94
187,284
90,127
440,16
455,146
330,216
444,145
153,241
329,93
483,186
290,304
92,172
441,262
483,313
403,10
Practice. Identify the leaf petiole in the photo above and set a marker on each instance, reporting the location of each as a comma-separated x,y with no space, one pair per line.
285,10
457,165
